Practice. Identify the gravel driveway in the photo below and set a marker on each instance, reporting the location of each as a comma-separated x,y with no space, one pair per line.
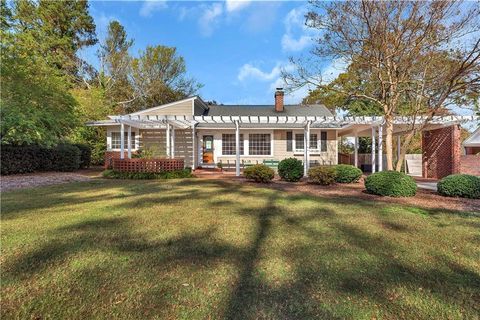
30,180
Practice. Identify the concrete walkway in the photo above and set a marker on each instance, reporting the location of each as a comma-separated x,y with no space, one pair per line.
427,184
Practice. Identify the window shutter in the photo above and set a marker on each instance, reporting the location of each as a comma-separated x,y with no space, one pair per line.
289,141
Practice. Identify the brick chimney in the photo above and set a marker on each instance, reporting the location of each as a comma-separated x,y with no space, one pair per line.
279,99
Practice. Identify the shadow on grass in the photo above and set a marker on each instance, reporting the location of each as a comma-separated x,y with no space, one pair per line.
340,263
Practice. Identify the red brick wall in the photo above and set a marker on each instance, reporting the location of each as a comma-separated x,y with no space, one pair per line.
470,164
441,152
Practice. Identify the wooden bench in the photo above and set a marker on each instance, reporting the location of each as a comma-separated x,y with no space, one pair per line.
271,163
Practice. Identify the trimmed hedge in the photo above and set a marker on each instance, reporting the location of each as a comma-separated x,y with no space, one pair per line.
290,169
391,183
259,173
346,173
30,158
324,175
177,174
85,155
460,185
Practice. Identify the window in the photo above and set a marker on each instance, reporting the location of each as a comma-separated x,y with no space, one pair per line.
116,140
323,141
289,141
299,143
313,141
259,144
229,145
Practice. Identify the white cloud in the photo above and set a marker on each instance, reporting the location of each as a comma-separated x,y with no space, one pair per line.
208,18
235,5
289,43
150,6
297,35
248,71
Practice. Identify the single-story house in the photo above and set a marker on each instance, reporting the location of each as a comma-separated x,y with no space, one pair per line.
203,135
471,145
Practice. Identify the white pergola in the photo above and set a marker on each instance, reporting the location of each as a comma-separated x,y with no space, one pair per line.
347,126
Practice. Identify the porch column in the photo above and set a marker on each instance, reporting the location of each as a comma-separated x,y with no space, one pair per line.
129,142
237,149
373,149
173,143
306,148
380,148
356,150
168,139
122,141
399,144
194,143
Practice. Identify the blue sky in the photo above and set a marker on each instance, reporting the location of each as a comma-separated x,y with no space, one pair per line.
235,48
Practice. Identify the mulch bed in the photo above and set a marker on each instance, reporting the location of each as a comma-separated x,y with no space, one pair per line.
424,198
30,180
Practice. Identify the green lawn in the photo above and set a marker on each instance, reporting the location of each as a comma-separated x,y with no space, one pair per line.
196,249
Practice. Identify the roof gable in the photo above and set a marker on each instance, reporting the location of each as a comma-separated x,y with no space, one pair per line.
184,107
474,138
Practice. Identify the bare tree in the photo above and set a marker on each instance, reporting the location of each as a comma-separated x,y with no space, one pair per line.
413,58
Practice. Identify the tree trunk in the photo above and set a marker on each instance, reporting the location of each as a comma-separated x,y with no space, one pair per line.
403,150
389,141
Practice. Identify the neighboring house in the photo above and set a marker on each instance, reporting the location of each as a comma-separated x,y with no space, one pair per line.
472,143
204,135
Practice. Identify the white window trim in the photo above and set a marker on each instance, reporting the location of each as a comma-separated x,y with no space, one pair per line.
317,151
135,142
246,139
221,145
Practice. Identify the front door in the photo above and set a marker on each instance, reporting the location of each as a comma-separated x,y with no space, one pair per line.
207,149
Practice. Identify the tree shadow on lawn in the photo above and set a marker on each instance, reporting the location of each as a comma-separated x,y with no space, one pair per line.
330,279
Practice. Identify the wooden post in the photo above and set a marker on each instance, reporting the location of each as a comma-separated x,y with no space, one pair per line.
373,149
173,143
380,148
122,141
129,142
237,149
356,150
306,147
193,147
168,140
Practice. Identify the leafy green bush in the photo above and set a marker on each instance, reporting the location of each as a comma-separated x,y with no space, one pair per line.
177,174
391,183
85,155
290,169
460,185
66,157
30,158
324,175
259,173
346,173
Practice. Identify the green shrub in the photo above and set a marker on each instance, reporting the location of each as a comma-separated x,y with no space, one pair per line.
66,157
177,174
30,158
259,173
85,155
290,169
324,175
460,185
391,183
18,159
346,173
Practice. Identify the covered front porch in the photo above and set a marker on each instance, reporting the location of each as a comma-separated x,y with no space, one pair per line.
184,137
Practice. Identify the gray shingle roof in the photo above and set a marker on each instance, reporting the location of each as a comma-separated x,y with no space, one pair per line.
268,110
